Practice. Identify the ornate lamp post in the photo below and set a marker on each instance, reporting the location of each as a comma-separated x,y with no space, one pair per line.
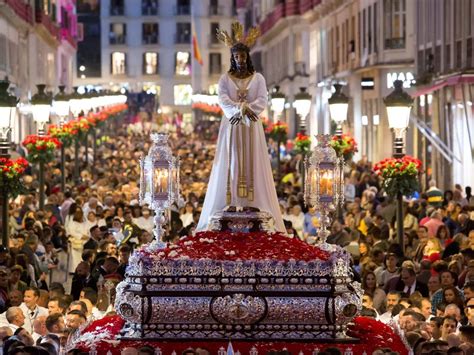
41,108
159,183
302,105
338,106
7,112
399,105
61,108
278,106
322,184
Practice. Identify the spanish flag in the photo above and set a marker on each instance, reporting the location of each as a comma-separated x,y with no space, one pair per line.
197,52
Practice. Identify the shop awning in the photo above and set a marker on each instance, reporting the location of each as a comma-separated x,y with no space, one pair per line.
448,81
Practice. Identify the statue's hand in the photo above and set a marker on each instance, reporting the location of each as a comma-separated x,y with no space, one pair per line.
251,115
234,120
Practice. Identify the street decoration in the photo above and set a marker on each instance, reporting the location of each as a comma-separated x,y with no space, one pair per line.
64,134
40,148
302,143
344,145
11,171
400,175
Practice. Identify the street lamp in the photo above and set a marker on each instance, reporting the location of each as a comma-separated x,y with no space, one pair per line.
159,183
302,105
338,106
61,108
277,100
399,104
7,112
41,108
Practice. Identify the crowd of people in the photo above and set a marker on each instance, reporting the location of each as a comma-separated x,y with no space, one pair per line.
63,261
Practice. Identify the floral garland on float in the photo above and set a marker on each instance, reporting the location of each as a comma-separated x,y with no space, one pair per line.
40,148
400,175
302,143
11,172
344,145
101,335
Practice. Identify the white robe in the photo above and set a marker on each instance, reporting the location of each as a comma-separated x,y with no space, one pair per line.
265,197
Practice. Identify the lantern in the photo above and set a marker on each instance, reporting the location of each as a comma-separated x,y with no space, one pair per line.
61,104
159,181
338,106
324,187
41,107
277,101
302,105
75,103
7,110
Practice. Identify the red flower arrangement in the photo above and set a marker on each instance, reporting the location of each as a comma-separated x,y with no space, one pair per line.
10,175
344,145
371,334
278,131
93,119
64,134
302,143
40,148
241,246
400,175
82,126
213,110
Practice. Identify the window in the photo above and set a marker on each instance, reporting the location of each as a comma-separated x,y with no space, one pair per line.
150,33
118,63
118,33
183,94
117,7
183,32
395,23
3,52
150,63
375,28
214,8
183,7
183,63
214,63
149,7
214,28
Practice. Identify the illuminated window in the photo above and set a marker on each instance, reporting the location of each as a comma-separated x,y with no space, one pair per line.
183,63
150,63
395,23
118,63
182,94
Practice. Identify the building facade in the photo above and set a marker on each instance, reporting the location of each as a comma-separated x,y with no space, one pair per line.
445,91
146,45
37,46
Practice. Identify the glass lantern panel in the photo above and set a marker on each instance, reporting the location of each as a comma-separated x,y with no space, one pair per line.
160,183
61,108
326,182
398,116
278,105
5,117
338,112
302,107
41,113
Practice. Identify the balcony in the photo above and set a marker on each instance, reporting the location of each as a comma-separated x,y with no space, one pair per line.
216,11
23,10
117,39
117,10
394,43
182,38
182,10
44,20
150,39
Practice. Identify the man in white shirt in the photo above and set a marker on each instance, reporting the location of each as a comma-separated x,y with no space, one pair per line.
30,308
39,328
15,318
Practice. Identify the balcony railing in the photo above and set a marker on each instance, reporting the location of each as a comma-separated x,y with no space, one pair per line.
182,10
117,39
216,10
23,10
394,43
182,38
150,39
149,10
43,19
117,10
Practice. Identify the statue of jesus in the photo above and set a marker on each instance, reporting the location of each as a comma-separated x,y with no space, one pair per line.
241,173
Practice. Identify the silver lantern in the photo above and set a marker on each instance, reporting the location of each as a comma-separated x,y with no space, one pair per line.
324,187
159,182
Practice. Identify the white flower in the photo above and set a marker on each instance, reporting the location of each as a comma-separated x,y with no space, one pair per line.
173,246
172,254
189,242
232,252
183,257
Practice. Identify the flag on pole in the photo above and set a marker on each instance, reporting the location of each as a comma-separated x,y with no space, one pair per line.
197,52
